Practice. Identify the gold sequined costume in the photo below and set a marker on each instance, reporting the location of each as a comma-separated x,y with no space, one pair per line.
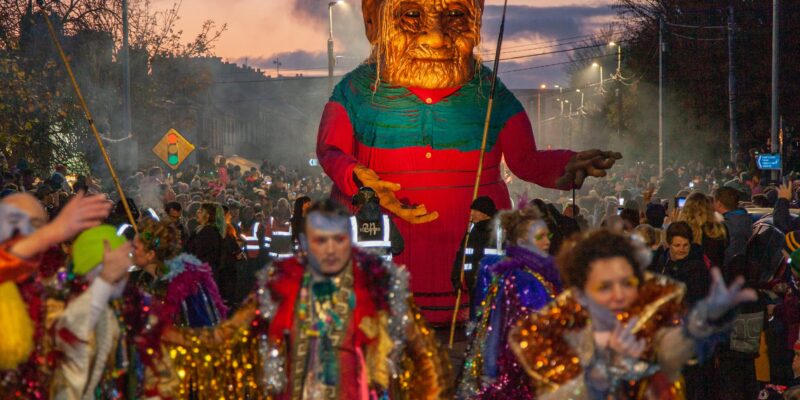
556,344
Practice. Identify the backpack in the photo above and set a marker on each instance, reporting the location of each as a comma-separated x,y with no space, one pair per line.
763,256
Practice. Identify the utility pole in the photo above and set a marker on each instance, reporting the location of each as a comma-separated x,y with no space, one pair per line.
331,57
734,129
775,78
539,112
127,123
618,90
278,64
661,95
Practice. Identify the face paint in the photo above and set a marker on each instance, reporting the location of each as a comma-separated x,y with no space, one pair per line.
14,221
327,243
537,238
328,223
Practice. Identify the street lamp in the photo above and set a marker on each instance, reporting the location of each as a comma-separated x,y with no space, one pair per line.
596,65
618,74
331,58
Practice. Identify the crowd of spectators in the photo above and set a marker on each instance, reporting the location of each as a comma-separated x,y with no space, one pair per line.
693,217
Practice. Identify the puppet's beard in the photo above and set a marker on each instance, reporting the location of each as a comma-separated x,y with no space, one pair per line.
409,71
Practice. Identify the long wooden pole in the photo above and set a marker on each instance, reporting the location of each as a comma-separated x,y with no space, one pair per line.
89,118
479,172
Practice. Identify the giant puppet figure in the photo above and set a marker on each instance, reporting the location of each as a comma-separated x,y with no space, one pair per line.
409,123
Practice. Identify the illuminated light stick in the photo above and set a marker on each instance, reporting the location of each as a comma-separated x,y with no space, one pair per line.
479,172
88,115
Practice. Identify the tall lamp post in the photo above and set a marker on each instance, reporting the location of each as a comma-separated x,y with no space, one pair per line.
331,57
617,91
539,109
596,65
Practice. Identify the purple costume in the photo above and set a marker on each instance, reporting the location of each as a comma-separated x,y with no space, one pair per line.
507,288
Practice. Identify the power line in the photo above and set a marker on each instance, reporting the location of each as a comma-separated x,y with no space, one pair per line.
553,52
542,47
695,26
558,63
698,39
548,41
560,42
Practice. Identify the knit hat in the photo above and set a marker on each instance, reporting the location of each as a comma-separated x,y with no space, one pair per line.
88,248
485,205
792,242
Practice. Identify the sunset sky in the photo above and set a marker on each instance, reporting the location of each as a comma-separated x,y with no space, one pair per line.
295,31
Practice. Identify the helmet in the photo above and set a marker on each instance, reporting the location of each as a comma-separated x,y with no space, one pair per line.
365,195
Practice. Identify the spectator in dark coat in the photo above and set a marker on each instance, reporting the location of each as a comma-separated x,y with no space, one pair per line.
737,222
206,241
174,211
780,216
684,262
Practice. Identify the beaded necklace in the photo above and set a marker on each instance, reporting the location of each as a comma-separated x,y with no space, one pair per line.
323,310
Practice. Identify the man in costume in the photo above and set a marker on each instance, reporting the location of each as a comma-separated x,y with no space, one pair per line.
409,124
335,323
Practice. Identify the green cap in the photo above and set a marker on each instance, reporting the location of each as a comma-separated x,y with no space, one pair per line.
88,248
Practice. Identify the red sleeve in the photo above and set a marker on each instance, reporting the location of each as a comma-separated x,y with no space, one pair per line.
13,268
542,167
335,145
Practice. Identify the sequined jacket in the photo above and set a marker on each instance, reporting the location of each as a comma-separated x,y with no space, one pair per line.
387,349
556,344
109,359
508,289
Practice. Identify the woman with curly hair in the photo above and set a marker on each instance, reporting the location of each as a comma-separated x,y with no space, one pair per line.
182,282
524,280
707,232
616,331
178,290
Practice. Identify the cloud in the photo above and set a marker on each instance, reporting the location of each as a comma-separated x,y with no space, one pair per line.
556,22
528,24
290,60
348,24
524,24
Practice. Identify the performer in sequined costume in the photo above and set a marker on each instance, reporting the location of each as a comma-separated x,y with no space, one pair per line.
616,332
334,323
524,280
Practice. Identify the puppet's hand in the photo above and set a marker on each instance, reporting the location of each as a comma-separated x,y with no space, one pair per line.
385,190
584,164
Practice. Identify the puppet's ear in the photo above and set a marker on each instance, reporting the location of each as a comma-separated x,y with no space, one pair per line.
371,10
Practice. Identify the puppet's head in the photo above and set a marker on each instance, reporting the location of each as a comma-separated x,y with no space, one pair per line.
424,43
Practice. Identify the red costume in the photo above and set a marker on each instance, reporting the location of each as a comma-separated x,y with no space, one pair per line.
440,175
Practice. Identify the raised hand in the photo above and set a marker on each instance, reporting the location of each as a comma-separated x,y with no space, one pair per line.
385,191
785,191
585,164
624,342
722,298
80,213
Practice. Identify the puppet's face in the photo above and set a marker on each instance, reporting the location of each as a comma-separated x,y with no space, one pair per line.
424,43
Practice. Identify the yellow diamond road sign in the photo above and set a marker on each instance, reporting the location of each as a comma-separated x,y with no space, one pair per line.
173,148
